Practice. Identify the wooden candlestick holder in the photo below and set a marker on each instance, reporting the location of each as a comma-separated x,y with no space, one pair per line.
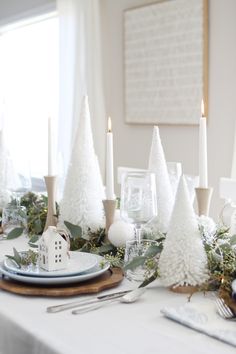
51,220
203,200
109,208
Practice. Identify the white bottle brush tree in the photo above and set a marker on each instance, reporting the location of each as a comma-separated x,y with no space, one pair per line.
183,261
83,192
165,199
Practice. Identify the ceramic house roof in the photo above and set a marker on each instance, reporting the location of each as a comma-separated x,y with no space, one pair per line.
50,236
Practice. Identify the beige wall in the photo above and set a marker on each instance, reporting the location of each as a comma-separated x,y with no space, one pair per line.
132,142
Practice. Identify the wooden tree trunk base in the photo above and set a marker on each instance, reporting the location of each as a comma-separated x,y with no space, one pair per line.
185,289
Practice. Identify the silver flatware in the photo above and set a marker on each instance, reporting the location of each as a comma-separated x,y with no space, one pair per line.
224,310
100,298
127,298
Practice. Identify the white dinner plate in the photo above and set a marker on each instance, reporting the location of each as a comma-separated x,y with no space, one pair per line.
95,272
78,263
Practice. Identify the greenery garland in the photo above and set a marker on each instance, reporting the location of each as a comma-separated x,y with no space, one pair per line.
220,246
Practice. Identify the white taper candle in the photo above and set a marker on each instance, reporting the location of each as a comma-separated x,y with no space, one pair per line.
203,171
109,164
50,148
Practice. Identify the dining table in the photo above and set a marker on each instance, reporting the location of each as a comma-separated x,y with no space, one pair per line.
117,328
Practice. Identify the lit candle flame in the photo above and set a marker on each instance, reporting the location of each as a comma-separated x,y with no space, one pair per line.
202,108
109,125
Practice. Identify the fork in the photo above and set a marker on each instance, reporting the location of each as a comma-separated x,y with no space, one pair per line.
224,310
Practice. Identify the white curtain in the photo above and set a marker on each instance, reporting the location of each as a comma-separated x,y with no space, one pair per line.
80,74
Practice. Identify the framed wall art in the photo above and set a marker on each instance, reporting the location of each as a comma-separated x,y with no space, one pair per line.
165,62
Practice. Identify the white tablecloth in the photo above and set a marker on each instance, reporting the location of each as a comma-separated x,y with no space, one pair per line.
138,328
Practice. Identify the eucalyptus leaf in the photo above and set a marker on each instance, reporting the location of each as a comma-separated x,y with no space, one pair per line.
233,240
218,251
44,198
17,256
160,239
34,239
15,233
38,226
101,237
207,248
75,230
149,280
218,257
33,245
225,247
152,251
24,258
106,248
136,262
223,231
14,260
84,248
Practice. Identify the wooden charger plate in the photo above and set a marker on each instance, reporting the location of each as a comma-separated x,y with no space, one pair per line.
109,279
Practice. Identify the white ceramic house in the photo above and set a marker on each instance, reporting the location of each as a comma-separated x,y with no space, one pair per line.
53,250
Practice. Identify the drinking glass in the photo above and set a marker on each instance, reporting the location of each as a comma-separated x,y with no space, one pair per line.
18,179
24,187
138,199
14,216
135,249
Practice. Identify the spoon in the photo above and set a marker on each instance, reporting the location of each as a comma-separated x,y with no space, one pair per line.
127,298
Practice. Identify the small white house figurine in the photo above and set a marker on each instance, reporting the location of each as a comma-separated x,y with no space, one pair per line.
53,250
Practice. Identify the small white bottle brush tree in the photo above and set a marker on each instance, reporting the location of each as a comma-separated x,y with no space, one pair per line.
183,261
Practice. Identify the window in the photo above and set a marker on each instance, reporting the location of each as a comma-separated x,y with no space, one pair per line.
29,72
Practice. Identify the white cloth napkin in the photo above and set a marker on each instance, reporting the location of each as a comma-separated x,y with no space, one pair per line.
203,318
